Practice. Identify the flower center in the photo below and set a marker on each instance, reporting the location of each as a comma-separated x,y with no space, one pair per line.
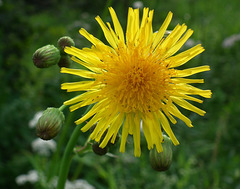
136,79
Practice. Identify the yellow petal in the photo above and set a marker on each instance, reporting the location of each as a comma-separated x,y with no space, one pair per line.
174,111
85,96
167,128
183,80
78,72
117,25
136,135
162,30
95,41
191,71
146,124
132,25
92,121
185,56
179,44
171,39
183,103
113,128
78,86
191,90
125,130
106,32
97,107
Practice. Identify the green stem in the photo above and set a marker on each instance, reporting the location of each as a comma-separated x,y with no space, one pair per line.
67,157
54,167
61,108
68,154
87,141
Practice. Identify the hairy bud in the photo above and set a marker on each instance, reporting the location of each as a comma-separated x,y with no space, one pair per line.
63,42
50,123
99,151
162,161
65,61
46,56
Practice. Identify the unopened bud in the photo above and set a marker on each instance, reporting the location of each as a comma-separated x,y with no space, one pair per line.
97,150
162,161
46,56
63,42
65,61
50,123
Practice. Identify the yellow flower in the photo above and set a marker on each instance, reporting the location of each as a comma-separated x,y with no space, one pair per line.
135,80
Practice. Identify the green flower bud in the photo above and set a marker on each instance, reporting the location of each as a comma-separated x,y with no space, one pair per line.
65,61
63,42
162,161
50,123
46,56
99,151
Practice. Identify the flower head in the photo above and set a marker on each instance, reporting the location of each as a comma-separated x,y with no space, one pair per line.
135,79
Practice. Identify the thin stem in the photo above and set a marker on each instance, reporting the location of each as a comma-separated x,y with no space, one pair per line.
54,167
87,141
61,108
67,157
68,154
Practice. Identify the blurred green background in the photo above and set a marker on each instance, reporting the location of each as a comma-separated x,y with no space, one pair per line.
209,153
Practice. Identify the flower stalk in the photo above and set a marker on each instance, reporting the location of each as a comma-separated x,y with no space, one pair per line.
68,154
67,157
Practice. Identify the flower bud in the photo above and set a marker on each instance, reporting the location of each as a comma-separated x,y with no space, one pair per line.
46,56
99,151
50,123
162,161
65,61
63,42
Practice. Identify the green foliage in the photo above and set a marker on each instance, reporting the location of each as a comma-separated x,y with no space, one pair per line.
208,156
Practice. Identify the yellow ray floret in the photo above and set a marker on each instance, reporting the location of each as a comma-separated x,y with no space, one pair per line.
134,83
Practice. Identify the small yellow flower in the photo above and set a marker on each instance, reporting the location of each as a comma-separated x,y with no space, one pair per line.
134,80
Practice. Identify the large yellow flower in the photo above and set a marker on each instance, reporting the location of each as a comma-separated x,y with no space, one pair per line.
135,80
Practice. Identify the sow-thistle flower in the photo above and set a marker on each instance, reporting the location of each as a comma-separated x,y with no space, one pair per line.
135,79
